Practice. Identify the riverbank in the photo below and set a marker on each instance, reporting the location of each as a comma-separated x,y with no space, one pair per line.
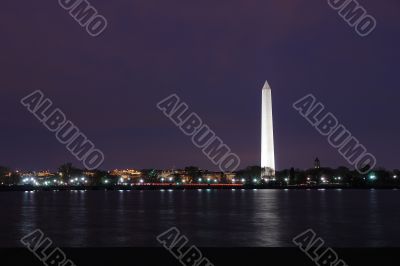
184,187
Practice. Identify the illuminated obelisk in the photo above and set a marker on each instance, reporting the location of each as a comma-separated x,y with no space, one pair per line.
267,133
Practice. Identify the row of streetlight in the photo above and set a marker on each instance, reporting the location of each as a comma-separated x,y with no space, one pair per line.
83,180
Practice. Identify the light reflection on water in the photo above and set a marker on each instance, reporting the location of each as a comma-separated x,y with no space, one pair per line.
265,218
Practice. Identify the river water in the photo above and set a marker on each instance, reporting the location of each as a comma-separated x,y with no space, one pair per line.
209,218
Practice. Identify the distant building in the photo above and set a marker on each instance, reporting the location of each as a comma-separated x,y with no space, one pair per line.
230,176
126,172
212,176
89,173
317,163
45,173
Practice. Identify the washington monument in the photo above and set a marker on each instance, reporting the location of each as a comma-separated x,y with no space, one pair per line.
267,133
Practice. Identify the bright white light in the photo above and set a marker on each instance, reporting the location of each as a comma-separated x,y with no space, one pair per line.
199,179
162,179
215,180
395,176
287,179
243,180
141,180
255,180
233,180
208,179
267,133
170,179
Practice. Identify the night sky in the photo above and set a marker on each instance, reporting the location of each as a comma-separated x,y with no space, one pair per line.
216,56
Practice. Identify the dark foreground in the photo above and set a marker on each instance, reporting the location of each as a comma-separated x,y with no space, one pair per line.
217,256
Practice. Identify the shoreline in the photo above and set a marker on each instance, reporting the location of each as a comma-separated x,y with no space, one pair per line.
186,187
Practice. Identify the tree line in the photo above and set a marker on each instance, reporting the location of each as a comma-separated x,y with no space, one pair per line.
249,175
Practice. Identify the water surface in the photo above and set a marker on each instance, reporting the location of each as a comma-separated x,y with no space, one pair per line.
255,218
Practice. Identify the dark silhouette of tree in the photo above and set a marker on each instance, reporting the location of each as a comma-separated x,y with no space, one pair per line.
4,171
177,177
99,178
300,177
366,168
344,173
149,175
223,179
8,177
249,173
68,171
292,175
193,173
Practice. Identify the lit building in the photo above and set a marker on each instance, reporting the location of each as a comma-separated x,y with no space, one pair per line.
44,174
126,173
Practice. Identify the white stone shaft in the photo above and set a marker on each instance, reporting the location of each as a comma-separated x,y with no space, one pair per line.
267,130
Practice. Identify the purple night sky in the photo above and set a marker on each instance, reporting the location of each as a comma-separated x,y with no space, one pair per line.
216,56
